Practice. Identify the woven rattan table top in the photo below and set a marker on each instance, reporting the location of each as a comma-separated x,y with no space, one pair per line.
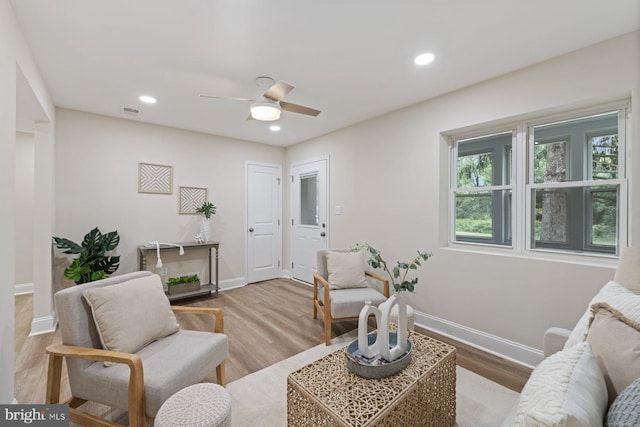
353,400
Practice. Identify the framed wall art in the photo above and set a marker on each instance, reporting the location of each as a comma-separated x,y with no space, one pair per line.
155,179
191,199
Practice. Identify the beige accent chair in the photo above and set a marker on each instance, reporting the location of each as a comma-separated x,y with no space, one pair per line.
140,382
346,303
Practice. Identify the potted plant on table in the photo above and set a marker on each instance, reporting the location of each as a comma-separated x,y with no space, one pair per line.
188,283
402,285
207,209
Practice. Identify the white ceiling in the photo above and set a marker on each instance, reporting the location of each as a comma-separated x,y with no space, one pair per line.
352,59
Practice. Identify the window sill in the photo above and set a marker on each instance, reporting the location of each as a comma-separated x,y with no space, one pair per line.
589,259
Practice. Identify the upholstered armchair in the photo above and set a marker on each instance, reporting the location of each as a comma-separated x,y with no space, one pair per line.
341,287
123,348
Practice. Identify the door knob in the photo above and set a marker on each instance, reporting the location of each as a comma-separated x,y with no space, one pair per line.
323,234
251,230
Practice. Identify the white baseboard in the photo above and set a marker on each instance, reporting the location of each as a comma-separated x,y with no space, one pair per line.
238,282
510,350
43,325
23,289
286,274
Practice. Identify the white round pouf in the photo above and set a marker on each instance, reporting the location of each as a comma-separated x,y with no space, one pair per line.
199,405
410,317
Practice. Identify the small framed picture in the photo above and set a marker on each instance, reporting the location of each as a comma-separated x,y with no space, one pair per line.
191,199
155,179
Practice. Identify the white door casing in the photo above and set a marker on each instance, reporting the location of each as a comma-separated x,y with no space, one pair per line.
263,221
309,213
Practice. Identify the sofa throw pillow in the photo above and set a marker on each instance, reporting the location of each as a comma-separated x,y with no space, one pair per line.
346,270
625,410
130,315
615,341
565,389
618,297
628,270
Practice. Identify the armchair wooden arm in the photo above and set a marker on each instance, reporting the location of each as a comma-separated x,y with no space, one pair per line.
217,312
136,401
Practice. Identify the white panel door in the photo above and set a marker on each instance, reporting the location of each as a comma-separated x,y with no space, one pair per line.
309,213
263,222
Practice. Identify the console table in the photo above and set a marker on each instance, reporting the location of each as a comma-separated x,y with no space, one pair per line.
326,393
205,289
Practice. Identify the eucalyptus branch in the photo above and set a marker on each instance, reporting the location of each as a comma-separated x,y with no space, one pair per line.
401,269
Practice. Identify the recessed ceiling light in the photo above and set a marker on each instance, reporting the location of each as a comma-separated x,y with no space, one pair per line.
424,58
147,99
274,128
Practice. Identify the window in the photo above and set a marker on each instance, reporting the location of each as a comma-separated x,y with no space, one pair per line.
483,191
569,195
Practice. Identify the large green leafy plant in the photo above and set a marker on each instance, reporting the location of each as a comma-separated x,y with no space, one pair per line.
94,261
397,273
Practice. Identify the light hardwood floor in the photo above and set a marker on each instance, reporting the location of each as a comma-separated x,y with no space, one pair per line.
275,316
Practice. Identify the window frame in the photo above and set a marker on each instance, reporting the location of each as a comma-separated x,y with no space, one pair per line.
523,187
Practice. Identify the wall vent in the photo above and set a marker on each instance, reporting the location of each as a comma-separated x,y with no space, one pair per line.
130,111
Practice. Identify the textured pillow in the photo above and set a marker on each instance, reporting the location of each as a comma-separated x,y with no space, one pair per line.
130,315
346,270
615,341
625,410
565,389
618,297
628,271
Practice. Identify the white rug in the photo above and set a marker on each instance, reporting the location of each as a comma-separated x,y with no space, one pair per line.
260,399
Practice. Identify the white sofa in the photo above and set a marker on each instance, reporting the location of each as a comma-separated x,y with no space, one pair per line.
588,376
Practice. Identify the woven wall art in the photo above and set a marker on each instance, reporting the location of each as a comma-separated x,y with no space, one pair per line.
156,179
192,198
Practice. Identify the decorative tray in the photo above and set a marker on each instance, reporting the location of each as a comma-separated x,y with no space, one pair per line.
376,366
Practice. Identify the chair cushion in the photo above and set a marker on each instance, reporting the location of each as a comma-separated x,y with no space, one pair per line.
346,270
625,410
349,302
132,314
618,297
615,341
170,364
565,389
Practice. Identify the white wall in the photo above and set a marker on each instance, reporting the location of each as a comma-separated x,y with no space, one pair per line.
24,208
390,175
97,185
14,53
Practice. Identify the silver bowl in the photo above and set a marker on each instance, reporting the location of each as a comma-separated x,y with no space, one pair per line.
376,367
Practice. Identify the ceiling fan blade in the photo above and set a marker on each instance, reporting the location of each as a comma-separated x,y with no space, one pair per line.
278,90
229,98
300,109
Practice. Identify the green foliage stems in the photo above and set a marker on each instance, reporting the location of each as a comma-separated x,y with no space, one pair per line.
400,269
207,209
92,262
172,281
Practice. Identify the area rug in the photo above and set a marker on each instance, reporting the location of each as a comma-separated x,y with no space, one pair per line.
260,400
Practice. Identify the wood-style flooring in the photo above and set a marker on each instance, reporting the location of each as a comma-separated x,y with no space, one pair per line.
266,322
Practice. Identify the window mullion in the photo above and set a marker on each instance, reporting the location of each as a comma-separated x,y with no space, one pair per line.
519,177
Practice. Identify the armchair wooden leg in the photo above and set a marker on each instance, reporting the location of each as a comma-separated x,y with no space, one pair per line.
327,329
220,374
54,376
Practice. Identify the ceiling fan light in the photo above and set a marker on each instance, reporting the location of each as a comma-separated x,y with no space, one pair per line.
265,111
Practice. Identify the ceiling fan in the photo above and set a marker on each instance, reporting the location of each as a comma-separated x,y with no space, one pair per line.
268,103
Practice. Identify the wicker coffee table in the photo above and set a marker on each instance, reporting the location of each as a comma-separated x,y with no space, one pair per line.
326,393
